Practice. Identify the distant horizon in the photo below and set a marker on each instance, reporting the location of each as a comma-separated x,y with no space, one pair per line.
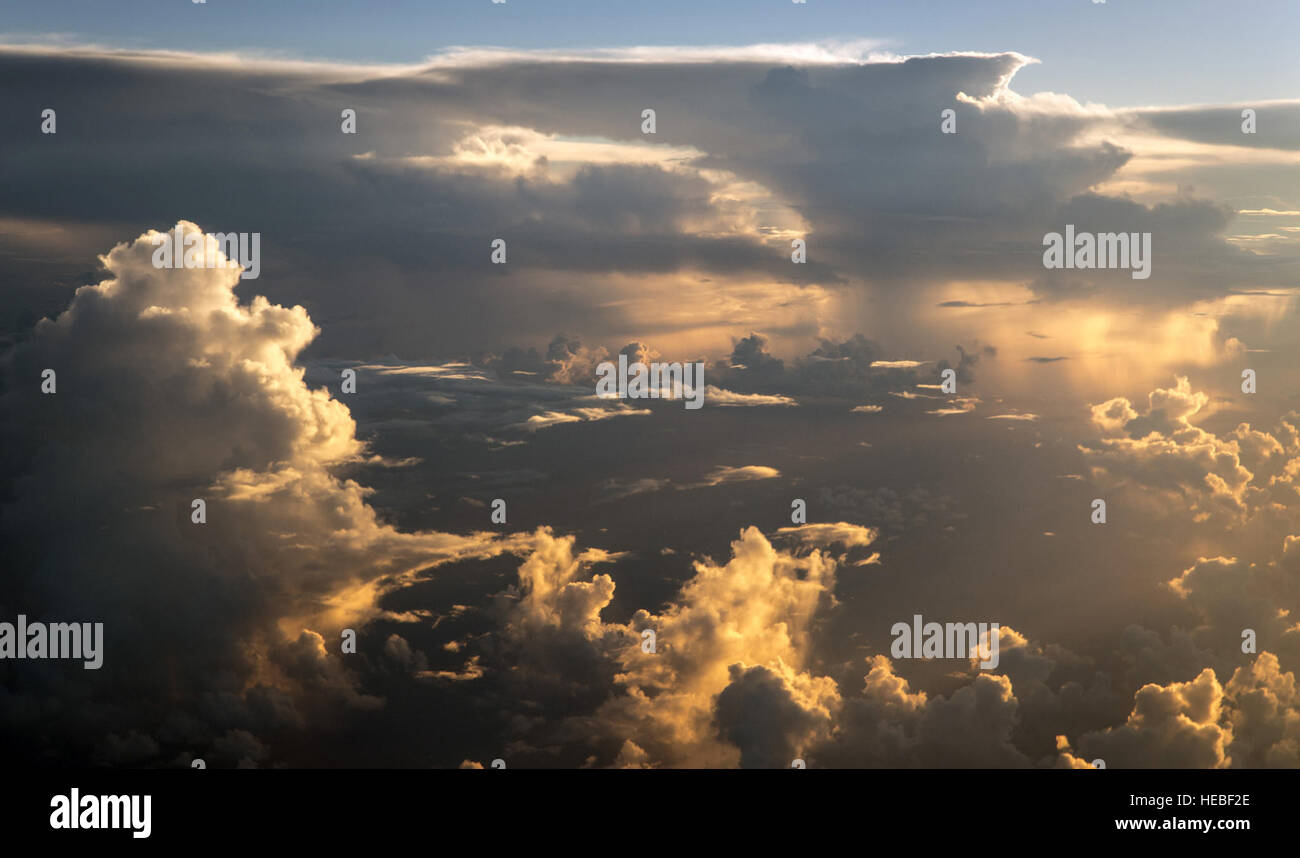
1121,53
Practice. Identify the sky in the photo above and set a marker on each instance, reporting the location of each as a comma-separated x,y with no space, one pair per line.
1123,54
364,503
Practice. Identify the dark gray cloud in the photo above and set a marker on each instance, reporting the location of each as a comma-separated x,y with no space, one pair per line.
353,224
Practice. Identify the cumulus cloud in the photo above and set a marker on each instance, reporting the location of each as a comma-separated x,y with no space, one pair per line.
1229,475
888,725
729,680
1265,718
170,388
740,629
1172,726
847,368
733,676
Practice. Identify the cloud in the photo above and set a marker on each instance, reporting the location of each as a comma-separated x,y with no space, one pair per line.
847,368
961,303
1231,475
960,405
1171,726
736,474
729,399
547,419
728,681
182,384
737,636
170,389
826,535
888,725
770,716
587,203
886,507
1265,719
615,489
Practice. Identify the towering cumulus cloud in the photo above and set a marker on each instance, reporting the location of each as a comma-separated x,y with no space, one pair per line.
730,678
169,389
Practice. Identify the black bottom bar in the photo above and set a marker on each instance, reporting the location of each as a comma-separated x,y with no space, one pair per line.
508,808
